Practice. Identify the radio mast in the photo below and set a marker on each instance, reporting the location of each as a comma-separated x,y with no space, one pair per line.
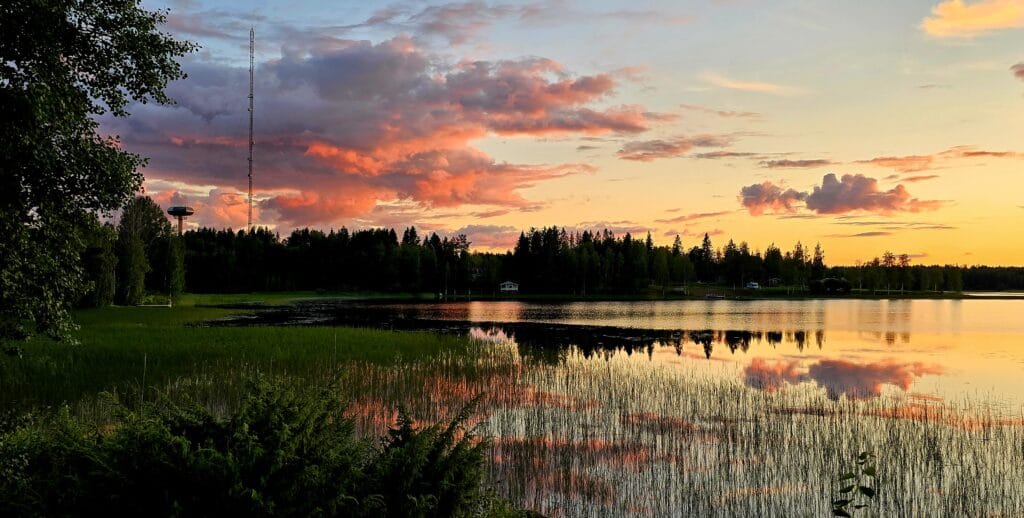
252,45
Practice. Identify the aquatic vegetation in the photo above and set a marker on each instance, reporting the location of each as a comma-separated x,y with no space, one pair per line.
658,429
609,436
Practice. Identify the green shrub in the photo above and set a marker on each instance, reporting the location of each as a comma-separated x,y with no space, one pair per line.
283,453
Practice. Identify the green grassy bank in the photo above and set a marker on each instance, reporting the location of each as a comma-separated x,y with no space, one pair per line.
121,349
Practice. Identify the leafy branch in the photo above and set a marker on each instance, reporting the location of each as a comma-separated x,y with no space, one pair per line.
857,489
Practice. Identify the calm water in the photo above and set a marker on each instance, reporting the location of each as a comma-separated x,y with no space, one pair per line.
720,408
946,349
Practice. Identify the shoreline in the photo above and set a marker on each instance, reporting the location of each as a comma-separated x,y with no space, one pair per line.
270,299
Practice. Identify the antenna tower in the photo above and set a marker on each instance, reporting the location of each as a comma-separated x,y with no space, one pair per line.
252,45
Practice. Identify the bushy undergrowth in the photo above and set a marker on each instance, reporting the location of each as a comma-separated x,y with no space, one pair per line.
282,452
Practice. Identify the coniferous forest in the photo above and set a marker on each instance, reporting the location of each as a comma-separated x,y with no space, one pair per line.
142,254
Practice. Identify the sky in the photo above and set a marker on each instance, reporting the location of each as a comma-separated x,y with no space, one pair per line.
866,126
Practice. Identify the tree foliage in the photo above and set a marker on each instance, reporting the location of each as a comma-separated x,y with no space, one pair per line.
546,260
283,452
99,263
151,256
62,64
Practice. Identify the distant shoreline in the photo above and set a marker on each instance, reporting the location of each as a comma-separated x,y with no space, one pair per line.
280,298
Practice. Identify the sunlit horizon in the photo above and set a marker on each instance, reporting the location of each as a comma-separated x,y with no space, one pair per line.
867,127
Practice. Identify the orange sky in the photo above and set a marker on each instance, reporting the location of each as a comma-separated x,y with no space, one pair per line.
866,127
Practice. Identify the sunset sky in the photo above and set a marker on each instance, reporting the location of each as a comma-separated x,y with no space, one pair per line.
867,126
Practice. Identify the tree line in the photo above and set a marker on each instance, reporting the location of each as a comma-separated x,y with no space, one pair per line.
546,260
141,256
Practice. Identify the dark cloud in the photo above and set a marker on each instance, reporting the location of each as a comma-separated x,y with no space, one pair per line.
796,164
211,23
342,125
461,22
759,197
648,150
1018,71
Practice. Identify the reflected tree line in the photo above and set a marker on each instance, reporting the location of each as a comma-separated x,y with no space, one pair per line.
546,342
551,344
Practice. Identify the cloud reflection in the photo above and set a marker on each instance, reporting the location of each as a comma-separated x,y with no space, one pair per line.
838,377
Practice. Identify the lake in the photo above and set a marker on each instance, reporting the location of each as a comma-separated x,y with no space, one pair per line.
720,407
860,348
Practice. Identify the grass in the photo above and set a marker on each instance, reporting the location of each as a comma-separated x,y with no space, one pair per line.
600,436
124,348
286,297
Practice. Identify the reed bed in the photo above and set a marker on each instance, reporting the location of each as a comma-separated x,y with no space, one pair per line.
608,435
614,436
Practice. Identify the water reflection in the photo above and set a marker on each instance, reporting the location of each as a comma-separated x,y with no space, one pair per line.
554,343
838,377
549,342
977,342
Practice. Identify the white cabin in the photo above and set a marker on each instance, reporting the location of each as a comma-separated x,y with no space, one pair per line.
509,287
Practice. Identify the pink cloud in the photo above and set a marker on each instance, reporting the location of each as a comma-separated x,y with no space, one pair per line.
851,193
772,376
344,125
920,178
796,164
903,164
759,197
489,237
972,152
861,193
858,381
837,377
648,150
219,208
616,227
694,216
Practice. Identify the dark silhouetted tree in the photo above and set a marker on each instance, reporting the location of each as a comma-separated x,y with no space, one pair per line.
63,64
